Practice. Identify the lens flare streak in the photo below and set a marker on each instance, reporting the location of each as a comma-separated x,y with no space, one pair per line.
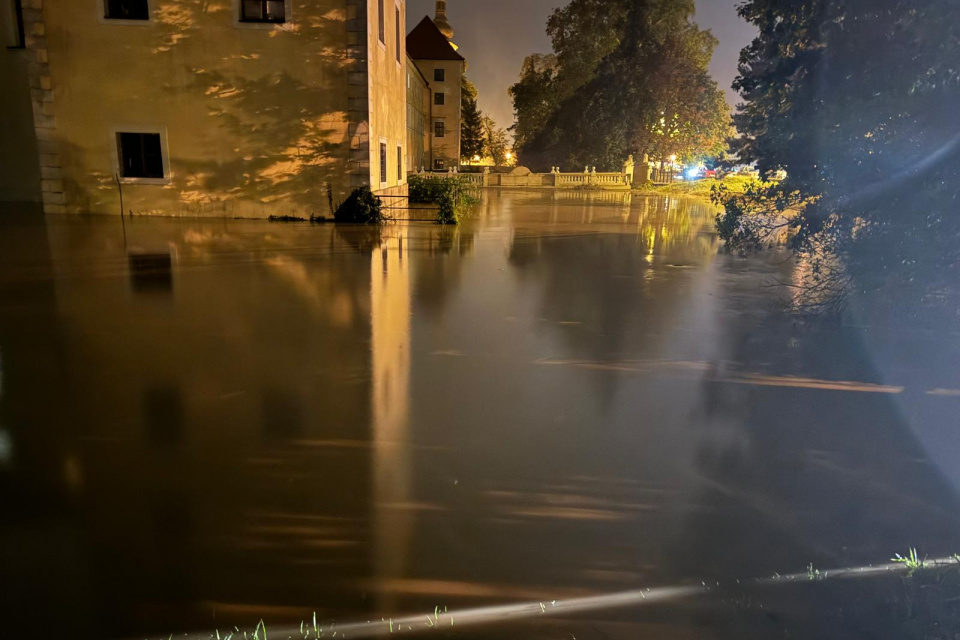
633,598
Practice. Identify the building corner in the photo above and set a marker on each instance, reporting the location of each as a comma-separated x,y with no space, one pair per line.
42,101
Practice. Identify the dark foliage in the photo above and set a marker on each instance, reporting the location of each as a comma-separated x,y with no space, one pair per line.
856,100
625,77
472,132
451,194
361,207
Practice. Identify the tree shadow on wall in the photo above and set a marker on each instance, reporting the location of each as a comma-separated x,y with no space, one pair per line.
286,123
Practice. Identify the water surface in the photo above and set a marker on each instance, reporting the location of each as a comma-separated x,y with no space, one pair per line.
209,423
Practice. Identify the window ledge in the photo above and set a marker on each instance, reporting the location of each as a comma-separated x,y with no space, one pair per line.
146,181
124,22
265,26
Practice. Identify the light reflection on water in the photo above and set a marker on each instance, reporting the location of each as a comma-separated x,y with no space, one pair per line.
570,394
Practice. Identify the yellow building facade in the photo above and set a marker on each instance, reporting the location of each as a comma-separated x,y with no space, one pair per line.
443,67
418,118
225,108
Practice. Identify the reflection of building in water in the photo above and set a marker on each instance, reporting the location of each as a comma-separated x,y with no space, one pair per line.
197,108
210,449
390,323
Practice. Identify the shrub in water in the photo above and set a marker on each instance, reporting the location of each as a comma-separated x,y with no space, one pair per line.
361,207
450,193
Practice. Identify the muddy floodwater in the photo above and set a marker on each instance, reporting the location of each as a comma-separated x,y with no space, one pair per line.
206,423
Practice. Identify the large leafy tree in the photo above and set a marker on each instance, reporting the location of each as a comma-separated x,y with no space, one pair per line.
496,143
583,33
472,132
857,101
626,77
534,97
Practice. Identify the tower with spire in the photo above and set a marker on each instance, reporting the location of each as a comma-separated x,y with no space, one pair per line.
442,67
441,20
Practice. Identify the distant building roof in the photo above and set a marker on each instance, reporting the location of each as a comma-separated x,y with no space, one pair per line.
426,42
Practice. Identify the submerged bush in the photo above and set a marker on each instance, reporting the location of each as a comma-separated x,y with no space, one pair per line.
451,193
361,207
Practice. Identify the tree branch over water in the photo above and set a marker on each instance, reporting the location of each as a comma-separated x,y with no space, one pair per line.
855,101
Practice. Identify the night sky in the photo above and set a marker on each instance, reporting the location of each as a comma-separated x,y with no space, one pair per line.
496,35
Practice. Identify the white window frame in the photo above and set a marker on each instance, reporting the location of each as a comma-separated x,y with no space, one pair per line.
385,178
382,19
164,154
401,40
103,19
268,26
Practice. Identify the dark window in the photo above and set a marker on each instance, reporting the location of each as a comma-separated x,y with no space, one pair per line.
17,39
383,26
140,155
383,162
438,99
439,165
438,75
399,163
399,37
262,11
127,9
438,128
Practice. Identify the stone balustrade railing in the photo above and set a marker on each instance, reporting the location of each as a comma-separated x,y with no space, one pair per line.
554,179
591,179
471,178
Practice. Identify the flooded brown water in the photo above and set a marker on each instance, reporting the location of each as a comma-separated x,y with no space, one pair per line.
209,423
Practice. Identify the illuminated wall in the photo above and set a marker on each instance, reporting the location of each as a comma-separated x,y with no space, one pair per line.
387,60
447,147
255,119
418,119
